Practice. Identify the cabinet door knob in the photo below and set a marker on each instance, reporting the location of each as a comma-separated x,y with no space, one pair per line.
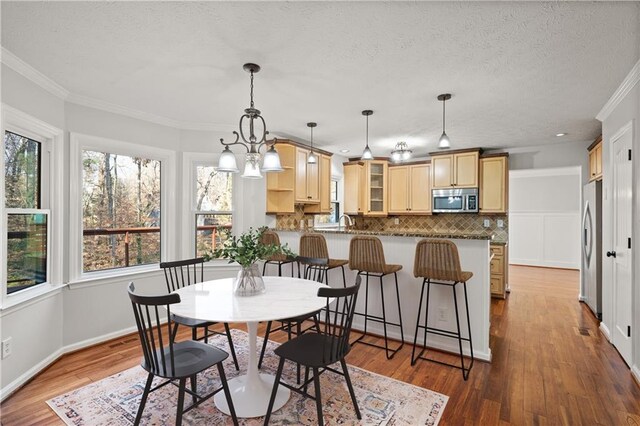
611,254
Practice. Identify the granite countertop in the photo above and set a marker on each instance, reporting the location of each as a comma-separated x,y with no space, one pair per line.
403,233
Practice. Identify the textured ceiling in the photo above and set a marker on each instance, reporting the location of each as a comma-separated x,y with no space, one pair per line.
519,72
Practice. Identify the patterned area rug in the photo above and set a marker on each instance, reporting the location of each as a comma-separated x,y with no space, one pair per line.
382,400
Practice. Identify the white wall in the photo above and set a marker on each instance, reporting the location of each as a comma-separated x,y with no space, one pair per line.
544,217
627,110
36,330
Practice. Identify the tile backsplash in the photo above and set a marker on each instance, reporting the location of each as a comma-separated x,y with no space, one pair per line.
445,223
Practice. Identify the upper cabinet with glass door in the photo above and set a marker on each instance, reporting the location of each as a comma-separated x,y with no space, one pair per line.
376,190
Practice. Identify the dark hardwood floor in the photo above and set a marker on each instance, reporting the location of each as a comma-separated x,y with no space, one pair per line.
551,366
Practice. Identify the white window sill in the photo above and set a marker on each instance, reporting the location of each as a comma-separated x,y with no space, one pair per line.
26,297
106,277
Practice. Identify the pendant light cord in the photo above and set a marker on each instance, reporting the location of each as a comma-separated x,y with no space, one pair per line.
444,101
367,131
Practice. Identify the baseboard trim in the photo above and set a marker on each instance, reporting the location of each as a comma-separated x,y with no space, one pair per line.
435,342
605,330
635,373
96,340
29,374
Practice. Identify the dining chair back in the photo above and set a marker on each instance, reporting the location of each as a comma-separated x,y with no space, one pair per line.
338,320
315,269
174,361
182,273
317,351
149,323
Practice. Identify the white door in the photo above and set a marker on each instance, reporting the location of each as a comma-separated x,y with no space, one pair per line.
621,251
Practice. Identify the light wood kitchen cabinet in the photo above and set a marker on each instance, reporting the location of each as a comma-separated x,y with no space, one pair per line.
494,184
376,187
300,182
365,187
307,178
354,187
595,160
324,206
410,189
499,270
455,170
281,186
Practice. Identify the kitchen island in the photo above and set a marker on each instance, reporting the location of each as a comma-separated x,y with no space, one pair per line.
399,248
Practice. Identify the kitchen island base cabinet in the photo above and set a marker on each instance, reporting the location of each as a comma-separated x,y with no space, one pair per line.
474,257
499,268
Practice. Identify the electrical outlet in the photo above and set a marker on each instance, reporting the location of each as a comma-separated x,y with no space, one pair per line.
6,347
500,223
396,221
486,223
442,314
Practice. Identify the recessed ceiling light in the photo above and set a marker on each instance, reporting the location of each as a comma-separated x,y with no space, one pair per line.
344,151
561,134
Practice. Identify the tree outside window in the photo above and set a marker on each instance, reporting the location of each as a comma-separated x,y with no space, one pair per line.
27,222
213,208
121,210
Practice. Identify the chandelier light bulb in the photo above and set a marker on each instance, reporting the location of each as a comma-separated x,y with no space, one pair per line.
227,162
271,161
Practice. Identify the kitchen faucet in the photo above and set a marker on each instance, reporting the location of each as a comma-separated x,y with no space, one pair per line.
347,220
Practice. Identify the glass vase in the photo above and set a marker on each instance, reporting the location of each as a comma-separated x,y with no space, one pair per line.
249,281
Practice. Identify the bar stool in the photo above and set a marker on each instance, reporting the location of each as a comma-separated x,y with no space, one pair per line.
439,260
315,246
367,257
271,237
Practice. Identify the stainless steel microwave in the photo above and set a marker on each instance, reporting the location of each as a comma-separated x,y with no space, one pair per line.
459,200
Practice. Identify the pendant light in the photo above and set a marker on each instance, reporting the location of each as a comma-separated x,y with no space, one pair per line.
366,154
227,161
444,142
312,158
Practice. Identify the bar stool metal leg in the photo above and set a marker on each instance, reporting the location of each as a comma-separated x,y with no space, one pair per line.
367,317
415,336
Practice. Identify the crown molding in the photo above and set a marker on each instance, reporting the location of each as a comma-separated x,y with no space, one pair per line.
145,116
623,90
36,77
32,74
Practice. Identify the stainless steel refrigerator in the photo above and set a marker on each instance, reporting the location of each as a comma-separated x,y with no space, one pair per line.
592,246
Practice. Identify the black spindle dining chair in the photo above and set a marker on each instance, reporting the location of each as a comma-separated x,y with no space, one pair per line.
314,270
317,351
182,273
173,361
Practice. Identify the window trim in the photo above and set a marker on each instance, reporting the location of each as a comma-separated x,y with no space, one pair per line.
52,199
190,162
80,142
337,200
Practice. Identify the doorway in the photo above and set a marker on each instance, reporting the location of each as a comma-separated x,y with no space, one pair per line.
621,253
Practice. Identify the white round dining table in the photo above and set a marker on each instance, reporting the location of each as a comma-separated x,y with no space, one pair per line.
215,301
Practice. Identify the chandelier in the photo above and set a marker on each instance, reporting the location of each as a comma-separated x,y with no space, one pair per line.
271,162
401,152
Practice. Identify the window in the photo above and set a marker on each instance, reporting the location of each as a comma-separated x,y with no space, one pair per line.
27,223
331,218
213,208
120,210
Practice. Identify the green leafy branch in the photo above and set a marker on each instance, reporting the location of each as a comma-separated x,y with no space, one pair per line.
248,248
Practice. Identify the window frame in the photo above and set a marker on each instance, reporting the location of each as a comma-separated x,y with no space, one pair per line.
82,142
334,180
191,161
51,202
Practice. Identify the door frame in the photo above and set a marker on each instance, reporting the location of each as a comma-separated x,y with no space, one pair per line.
635,293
